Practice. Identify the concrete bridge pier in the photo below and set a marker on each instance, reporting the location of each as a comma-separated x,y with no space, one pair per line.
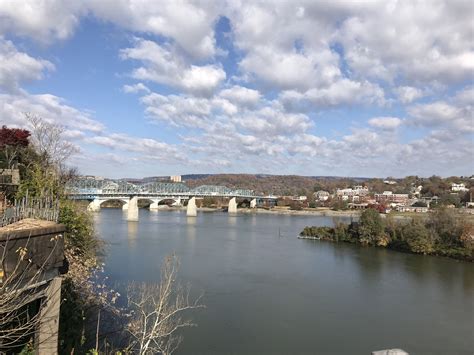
94,206
133,209
232,205
177,202
253,203
191,210
125,205
154,205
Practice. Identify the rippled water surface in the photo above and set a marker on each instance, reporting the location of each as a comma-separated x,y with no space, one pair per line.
268,292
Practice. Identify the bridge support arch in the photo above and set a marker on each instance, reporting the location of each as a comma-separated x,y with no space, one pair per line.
191,210
132,213
232,205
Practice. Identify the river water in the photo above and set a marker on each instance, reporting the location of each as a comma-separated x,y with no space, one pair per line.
267,292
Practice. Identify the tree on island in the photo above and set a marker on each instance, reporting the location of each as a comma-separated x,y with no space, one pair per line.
371,228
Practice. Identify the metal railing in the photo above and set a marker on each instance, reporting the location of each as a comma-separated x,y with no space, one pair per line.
44,208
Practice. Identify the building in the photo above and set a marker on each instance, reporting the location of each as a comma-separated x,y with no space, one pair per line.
9,177
298,198
412,209
175,178
389,197
321,195
355,191
458,187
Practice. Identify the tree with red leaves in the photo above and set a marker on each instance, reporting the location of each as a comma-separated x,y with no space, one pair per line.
12,141
14,137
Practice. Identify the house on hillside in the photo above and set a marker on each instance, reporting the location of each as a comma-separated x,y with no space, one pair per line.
321,195
458,187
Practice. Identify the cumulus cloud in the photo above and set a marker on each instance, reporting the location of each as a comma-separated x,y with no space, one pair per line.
136,88
408,94
455,113
41,20
241,95
121,141
187,23
18,67
50,107
342,92
411,41
162,64
387,123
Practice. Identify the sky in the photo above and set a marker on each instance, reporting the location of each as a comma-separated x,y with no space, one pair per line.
336,88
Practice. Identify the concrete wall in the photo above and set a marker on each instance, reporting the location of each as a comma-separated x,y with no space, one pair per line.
34,256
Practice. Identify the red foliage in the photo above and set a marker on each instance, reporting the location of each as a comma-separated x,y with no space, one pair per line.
14,137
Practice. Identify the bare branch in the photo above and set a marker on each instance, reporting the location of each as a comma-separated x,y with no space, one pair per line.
160,311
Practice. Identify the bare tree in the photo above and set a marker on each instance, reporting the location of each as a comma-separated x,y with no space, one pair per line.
48,140
159,311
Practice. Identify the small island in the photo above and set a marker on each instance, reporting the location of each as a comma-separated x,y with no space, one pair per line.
444,233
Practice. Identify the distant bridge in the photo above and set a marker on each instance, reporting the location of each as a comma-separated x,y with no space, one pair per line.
99,191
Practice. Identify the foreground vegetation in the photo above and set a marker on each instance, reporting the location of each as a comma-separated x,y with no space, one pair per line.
444,232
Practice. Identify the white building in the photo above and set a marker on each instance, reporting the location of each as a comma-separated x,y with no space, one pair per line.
355,191
175,178
321,195
458,187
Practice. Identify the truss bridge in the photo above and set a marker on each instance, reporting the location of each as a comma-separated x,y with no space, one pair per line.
98,191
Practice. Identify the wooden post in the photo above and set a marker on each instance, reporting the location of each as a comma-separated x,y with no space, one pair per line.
46,339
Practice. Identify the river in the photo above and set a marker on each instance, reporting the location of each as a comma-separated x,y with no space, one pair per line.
267,292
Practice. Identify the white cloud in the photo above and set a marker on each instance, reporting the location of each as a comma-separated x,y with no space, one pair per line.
387,123
241,95
18,67
49,107
412,41
455,113
408,94
136,88
148,146
189,24
343,92
41,20
164,65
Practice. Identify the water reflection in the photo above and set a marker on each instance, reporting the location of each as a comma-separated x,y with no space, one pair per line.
132,228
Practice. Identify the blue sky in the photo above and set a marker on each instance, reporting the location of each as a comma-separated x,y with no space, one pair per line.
314,88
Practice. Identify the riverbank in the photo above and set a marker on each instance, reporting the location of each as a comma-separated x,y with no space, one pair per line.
323,212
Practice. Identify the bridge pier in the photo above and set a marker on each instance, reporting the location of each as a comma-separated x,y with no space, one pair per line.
154,205
125,206
191,210
132,214
232,205
94,206
253,203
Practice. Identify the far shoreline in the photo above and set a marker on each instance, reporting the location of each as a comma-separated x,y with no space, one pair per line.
277,211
